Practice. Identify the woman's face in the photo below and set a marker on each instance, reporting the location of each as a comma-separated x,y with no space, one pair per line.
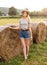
25,14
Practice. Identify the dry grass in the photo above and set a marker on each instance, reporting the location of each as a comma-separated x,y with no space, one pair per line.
11,21
37,56
8,21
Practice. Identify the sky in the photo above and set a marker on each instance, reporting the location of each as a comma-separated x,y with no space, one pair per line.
32,5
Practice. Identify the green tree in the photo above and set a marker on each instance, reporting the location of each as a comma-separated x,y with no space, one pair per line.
12,11
0,13
44,11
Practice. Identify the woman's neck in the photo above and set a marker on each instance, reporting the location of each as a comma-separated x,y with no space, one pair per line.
24,17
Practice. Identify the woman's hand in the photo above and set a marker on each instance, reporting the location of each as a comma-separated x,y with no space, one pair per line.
31,37
12,27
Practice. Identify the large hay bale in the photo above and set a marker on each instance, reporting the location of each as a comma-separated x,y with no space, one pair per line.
33,27
46,30
46,33
41,33
10,44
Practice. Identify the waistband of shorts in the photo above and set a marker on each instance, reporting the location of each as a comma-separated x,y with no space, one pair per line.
25,30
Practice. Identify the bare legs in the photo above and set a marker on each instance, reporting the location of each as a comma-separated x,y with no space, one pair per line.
25,44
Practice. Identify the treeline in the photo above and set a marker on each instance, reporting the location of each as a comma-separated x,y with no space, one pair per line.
14,12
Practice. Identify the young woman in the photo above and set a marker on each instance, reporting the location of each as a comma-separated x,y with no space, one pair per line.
25,32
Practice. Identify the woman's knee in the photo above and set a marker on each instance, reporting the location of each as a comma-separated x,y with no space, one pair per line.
24,46
27,44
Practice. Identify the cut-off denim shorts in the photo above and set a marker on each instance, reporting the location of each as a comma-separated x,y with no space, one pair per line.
24,34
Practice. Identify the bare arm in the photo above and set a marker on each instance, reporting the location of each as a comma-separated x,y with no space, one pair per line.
15,27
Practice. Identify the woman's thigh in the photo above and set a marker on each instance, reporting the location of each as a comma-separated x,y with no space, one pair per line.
23,41
27,42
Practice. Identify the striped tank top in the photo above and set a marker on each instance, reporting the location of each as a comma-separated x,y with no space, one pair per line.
24,24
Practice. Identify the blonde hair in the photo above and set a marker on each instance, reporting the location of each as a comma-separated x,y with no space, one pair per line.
28,17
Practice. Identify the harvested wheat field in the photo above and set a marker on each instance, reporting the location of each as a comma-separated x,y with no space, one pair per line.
15,20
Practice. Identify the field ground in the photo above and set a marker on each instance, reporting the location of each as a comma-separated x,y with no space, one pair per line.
14,21
37,56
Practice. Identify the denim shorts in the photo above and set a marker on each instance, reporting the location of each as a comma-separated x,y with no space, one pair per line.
24,34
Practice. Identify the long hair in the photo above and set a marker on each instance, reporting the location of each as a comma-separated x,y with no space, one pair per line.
28,17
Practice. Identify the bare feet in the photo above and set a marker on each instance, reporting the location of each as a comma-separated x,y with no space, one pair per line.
25,57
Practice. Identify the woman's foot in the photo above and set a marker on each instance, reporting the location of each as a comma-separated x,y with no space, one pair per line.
27,55
26,58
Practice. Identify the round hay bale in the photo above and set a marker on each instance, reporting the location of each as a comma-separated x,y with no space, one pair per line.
10,44
33,27
46,29
40,33
46,33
